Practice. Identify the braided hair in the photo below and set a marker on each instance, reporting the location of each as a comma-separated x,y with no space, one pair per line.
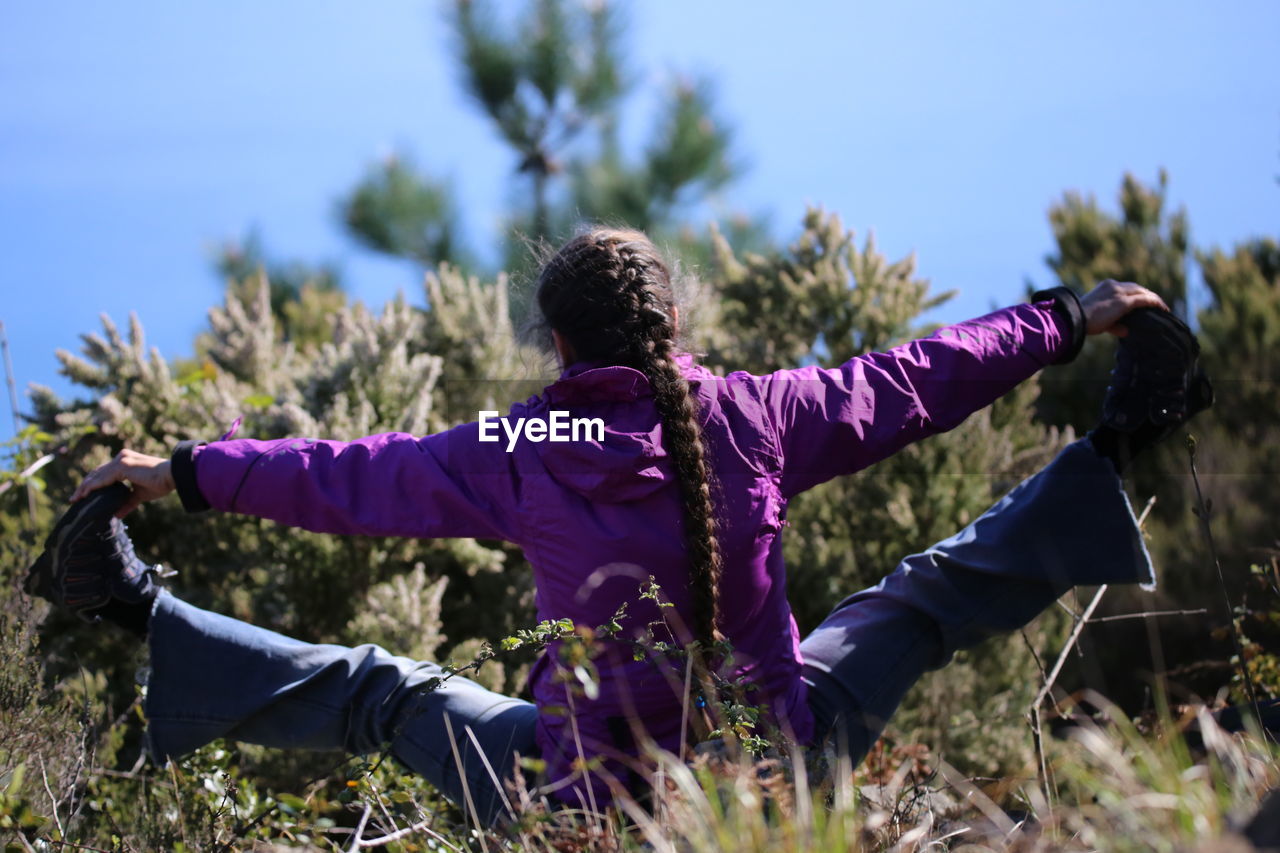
608,293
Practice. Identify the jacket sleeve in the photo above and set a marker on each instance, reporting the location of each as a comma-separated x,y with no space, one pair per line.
839,420
394,484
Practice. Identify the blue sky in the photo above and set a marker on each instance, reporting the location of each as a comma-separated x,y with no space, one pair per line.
136,136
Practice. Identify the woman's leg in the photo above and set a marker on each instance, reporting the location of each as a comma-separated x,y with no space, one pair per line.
213,676
1070,524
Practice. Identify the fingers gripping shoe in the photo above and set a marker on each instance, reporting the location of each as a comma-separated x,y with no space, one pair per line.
1157,383
89,561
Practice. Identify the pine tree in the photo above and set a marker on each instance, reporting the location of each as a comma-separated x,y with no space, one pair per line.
1238,445
553,84
1238,332
1146,244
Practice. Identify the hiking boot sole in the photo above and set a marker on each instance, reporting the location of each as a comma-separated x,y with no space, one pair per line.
48,574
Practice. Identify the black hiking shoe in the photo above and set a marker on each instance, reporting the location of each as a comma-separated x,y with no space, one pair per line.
89,562
1157,383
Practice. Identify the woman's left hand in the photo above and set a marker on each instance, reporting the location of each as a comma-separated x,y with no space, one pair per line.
1105,305
148,476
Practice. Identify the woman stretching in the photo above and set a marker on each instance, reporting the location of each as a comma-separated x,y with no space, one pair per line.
686,488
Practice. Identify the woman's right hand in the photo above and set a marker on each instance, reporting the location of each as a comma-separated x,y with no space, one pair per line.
148,476
1105,306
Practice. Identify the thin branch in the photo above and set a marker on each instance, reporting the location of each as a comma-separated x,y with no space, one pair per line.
1072,613
1146,510
497,782
1037,740
378,798
29,470
1033,713
1071,641
1124,616
1080,623
1203,510
423,826
356,837
470,803
44,777
1034,656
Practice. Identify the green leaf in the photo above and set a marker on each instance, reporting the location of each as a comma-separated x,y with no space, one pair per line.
206,372
291,803
15,780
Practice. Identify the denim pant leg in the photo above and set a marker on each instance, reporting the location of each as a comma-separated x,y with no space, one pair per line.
1070,524
213,676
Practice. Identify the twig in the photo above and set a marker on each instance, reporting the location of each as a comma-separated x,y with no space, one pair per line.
497,782
470,803
423,826
1073,614
53,801
1146,510
356,836
1203,510
377,798
974,795
1123,616
1034,656
127,774
29,470
1037,742
1071,641
1083,619
1033,713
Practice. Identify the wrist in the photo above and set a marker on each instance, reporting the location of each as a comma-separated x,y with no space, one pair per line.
1066,304
182,471
166,476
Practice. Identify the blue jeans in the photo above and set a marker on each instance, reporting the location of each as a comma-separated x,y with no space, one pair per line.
213,676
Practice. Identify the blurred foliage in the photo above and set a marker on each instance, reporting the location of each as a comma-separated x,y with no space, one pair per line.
400,212
240,263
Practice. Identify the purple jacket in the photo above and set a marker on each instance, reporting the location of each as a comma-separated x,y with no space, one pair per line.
597,518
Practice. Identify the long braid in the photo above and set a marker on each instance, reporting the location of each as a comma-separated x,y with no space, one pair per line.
684,442
609,293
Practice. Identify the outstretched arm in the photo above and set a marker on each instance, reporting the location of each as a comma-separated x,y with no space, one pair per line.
393,484
839,420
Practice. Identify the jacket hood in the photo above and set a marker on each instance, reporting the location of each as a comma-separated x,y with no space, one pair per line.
630,463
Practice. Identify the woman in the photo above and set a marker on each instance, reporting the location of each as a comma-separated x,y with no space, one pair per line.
687,489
